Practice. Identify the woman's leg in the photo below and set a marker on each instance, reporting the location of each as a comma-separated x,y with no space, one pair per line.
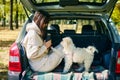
53,60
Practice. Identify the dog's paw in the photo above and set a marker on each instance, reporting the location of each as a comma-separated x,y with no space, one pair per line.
105,74
85,76
88,76
91,76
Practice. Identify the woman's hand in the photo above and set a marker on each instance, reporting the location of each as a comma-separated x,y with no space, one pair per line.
48,44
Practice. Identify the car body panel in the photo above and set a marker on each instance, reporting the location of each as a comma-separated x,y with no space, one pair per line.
13,75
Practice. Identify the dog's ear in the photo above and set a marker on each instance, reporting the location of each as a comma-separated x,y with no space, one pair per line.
91,76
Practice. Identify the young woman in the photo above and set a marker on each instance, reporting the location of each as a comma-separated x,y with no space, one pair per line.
37,49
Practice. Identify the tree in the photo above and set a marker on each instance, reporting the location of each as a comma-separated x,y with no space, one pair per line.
4,14
116,14
16,16
11,14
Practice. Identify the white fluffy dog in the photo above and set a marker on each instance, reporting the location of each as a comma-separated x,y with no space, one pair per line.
82,56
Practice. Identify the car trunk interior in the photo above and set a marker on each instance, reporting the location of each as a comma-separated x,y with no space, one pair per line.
98,38
92,32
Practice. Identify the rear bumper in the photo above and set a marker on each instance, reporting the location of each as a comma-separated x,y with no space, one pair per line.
13,75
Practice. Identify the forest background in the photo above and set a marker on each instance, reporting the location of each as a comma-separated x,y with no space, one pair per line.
12,13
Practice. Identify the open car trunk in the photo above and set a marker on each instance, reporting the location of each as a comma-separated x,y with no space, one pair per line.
99,37
99,69
71,6
71,16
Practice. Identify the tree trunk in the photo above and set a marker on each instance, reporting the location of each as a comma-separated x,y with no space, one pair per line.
16,20
4,15
11,13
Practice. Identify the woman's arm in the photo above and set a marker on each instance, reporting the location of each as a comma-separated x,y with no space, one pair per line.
35,47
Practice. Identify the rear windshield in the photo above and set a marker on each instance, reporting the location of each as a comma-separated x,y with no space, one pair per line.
75,25
80,1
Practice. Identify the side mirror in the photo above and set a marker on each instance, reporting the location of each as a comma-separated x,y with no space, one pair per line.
68,2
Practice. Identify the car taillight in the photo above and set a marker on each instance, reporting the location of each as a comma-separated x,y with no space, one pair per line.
118,63
14,58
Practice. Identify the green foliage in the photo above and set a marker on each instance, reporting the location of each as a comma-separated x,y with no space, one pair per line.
116,13
6,8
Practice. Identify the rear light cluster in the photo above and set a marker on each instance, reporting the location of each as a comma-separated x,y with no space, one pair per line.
14,58
118,63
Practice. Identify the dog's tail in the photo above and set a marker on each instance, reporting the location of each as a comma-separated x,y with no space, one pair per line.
92,49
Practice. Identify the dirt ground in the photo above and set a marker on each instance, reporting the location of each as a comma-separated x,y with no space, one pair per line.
7,37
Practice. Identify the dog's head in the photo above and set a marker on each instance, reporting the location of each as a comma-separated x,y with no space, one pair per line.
67,42
92,49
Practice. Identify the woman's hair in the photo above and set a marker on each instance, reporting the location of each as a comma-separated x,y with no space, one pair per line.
40,18
41,14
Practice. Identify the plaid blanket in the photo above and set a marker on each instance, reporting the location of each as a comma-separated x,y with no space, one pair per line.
53,76
29,75
70,76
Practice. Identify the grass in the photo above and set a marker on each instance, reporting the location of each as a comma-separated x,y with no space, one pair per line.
7,37
3,63
6,43
3,71
2,50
